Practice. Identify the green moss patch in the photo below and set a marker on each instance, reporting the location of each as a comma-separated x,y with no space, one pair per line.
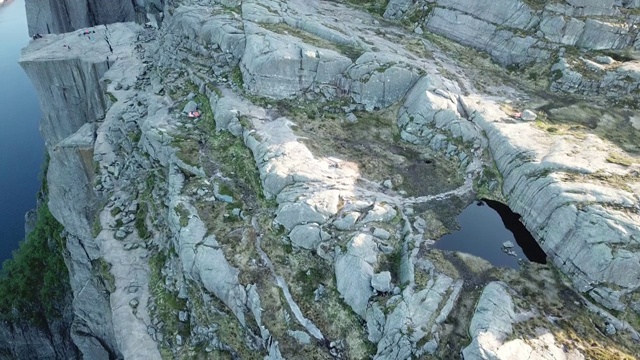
102,270
168,305
617,158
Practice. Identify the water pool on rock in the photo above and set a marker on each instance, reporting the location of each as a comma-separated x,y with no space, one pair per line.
485,228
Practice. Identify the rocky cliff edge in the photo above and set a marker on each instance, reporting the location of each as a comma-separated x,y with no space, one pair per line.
290,220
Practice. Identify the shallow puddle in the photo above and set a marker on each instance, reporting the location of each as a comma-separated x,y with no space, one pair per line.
485,228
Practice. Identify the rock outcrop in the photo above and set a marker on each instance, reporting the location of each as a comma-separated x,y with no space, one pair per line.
536,171
54,17
26,341
68,86
522,33
492,324
517,32
238,231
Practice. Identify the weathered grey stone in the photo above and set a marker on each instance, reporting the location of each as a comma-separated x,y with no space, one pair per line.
69,108
183,316
274,352
424,113
306,236
24,341
202,258
319,293
381,233
528,115
380,213
290,215
502,44
599,35
512,32
378,80
606,60
382,282
347,222
401,335
396,8
375,322
583,245
190,106
301,337
509,13
283,66
610,329
561,30
354,270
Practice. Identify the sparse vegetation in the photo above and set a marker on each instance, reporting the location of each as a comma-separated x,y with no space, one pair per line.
135,136
167,303
234,158
376,7
620,159
102,270
236,77
309,280
183,213
575,327
115,211
351,51
141,221
111,97
96,227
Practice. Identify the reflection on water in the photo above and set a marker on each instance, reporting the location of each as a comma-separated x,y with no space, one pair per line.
485,228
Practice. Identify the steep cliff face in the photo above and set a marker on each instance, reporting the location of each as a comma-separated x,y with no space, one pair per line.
66,77
28,341
290,212
54,17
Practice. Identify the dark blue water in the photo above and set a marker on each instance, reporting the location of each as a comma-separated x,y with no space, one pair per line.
484,227
21,147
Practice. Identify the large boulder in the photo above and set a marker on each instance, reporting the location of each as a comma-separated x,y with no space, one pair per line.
378,80
283,66
203,259
354,270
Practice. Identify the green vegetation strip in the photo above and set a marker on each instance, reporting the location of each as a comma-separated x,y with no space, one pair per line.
34,283
168,304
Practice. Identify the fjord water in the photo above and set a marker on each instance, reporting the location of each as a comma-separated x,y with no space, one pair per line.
484,227
21,147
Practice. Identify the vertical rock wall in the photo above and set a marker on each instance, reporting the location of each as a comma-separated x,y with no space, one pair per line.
60,16
25,341
66,72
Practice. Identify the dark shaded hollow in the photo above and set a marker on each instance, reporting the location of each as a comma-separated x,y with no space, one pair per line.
523,237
